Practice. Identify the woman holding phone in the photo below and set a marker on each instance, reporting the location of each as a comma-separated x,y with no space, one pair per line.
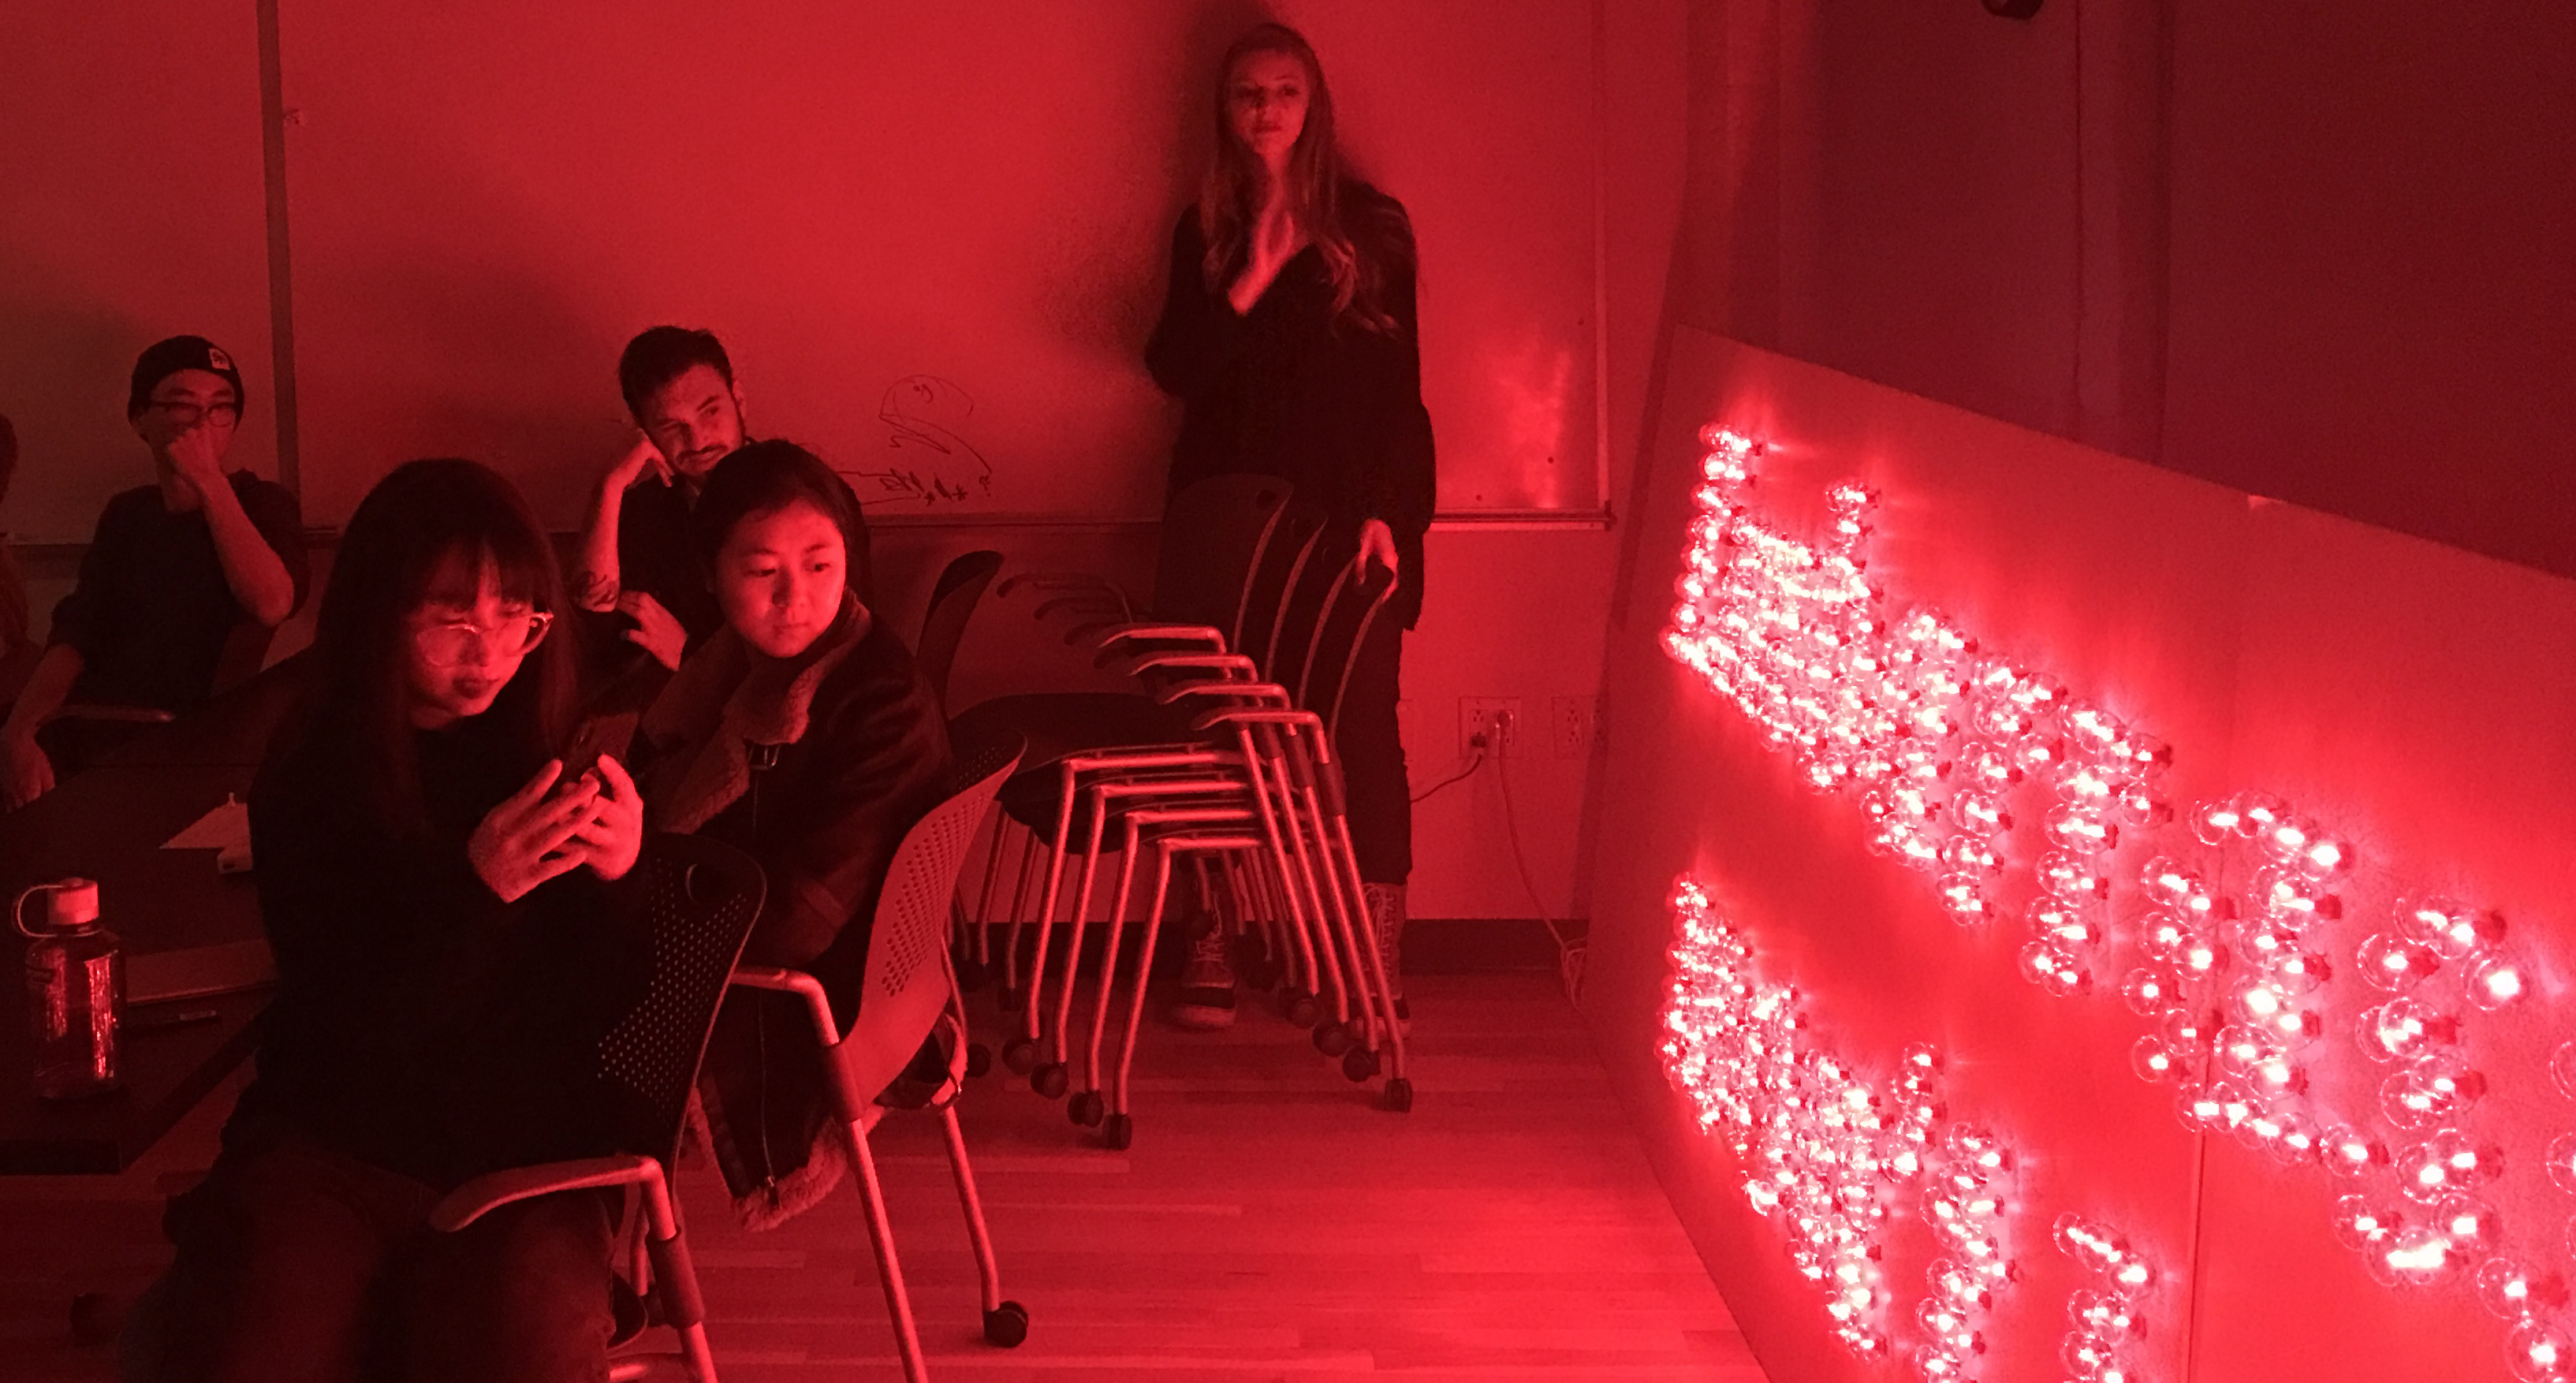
452,941
1288,332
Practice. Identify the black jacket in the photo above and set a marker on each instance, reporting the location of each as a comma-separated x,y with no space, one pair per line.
1332,408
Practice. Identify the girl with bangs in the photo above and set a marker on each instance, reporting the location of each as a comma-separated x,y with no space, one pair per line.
451,940
1288,331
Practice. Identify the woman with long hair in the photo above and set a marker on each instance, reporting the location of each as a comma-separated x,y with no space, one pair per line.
800,733
451,943
1288,331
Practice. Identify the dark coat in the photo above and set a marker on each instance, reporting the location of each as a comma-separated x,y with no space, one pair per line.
1333,408
816,767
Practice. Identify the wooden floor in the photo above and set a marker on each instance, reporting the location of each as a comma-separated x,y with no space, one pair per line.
1269,1224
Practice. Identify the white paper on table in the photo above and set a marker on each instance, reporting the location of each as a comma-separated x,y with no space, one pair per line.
225,828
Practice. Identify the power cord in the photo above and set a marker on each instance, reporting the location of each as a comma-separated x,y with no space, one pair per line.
1569,949
1474,762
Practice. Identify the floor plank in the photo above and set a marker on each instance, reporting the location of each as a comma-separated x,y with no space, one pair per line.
1269,1224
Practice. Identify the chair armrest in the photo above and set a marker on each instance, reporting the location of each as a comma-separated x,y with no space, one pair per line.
485,1194
793,982
1132,632
1204,662
1224,689
125,715
1258,716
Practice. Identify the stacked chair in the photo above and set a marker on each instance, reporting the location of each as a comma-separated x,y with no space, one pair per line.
1226,777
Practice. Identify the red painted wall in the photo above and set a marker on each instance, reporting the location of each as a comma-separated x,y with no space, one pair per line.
2404,694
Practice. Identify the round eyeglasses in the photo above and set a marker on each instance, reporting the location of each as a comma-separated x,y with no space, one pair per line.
454,643
187,415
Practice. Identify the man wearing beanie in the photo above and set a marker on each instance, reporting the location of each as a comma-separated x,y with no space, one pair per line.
173,569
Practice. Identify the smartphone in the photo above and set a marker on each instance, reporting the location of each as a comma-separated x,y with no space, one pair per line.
593,737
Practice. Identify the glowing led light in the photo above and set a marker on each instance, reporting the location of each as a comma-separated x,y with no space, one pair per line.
2514,1292
2539,1352
2104,1318
2492,982
1948,749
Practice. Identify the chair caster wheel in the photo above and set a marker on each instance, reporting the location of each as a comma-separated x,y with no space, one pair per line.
973,974
1399,1096
1006,1325
979,1058
1009,999
1085,1109
1301,1008
1119,1133
1049,1080
1021,1055
1359,1064
1332,1039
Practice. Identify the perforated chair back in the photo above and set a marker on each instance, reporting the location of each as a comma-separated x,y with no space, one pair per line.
1213,536
702,897
905,986
952,603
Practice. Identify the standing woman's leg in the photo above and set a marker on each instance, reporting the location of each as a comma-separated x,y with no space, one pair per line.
1377,791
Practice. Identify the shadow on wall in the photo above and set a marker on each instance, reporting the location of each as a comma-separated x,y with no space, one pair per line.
66,351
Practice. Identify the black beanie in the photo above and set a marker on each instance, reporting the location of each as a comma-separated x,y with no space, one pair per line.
163,359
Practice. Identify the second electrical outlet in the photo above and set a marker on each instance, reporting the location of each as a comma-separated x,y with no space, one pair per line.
1496,718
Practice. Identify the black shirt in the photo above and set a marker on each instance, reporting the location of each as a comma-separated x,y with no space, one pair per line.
421,1024
151,613
1333,408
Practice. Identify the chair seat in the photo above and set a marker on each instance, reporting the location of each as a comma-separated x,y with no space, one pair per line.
1059,725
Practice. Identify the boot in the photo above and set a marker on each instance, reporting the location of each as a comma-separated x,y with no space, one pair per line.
1207,981
1386,922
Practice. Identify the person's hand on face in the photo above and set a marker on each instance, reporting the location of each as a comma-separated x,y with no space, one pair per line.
641,460
25,773
198,455
530,837
657,631
613,835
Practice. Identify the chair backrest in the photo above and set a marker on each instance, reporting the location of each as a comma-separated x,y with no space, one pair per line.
952,603
1274,592
1213,537
701,898
905,986
1344,612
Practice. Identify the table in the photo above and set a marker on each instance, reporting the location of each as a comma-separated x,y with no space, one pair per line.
108,824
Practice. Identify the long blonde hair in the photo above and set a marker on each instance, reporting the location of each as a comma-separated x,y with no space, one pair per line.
1234,179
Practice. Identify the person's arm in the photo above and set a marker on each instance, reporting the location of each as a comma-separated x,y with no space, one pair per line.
596,577
827,866
253,570
1396,483
28,773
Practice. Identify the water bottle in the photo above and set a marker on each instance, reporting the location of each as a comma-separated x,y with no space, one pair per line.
75,991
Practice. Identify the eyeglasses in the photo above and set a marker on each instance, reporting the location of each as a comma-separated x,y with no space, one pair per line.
187,414
448,645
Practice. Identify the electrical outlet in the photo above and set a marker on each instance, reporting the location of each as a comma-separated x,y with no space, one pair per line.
1497,718
1571,720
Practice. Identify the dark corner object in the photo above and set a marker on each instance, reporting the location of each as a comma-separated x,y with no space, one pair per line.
2013,9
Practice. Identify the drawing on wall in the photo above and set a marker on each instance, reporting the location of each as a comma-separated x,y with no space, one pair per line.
932,460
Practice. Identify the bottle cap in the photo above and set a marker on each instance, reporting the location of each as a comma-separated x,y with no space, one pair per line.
71,905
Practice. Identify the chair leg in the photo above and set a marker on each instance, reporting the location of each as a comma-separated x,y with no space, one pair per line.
1122,1125
1006,1323
1059,1042
1046,915
889,1271
1091,1106
675,1278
